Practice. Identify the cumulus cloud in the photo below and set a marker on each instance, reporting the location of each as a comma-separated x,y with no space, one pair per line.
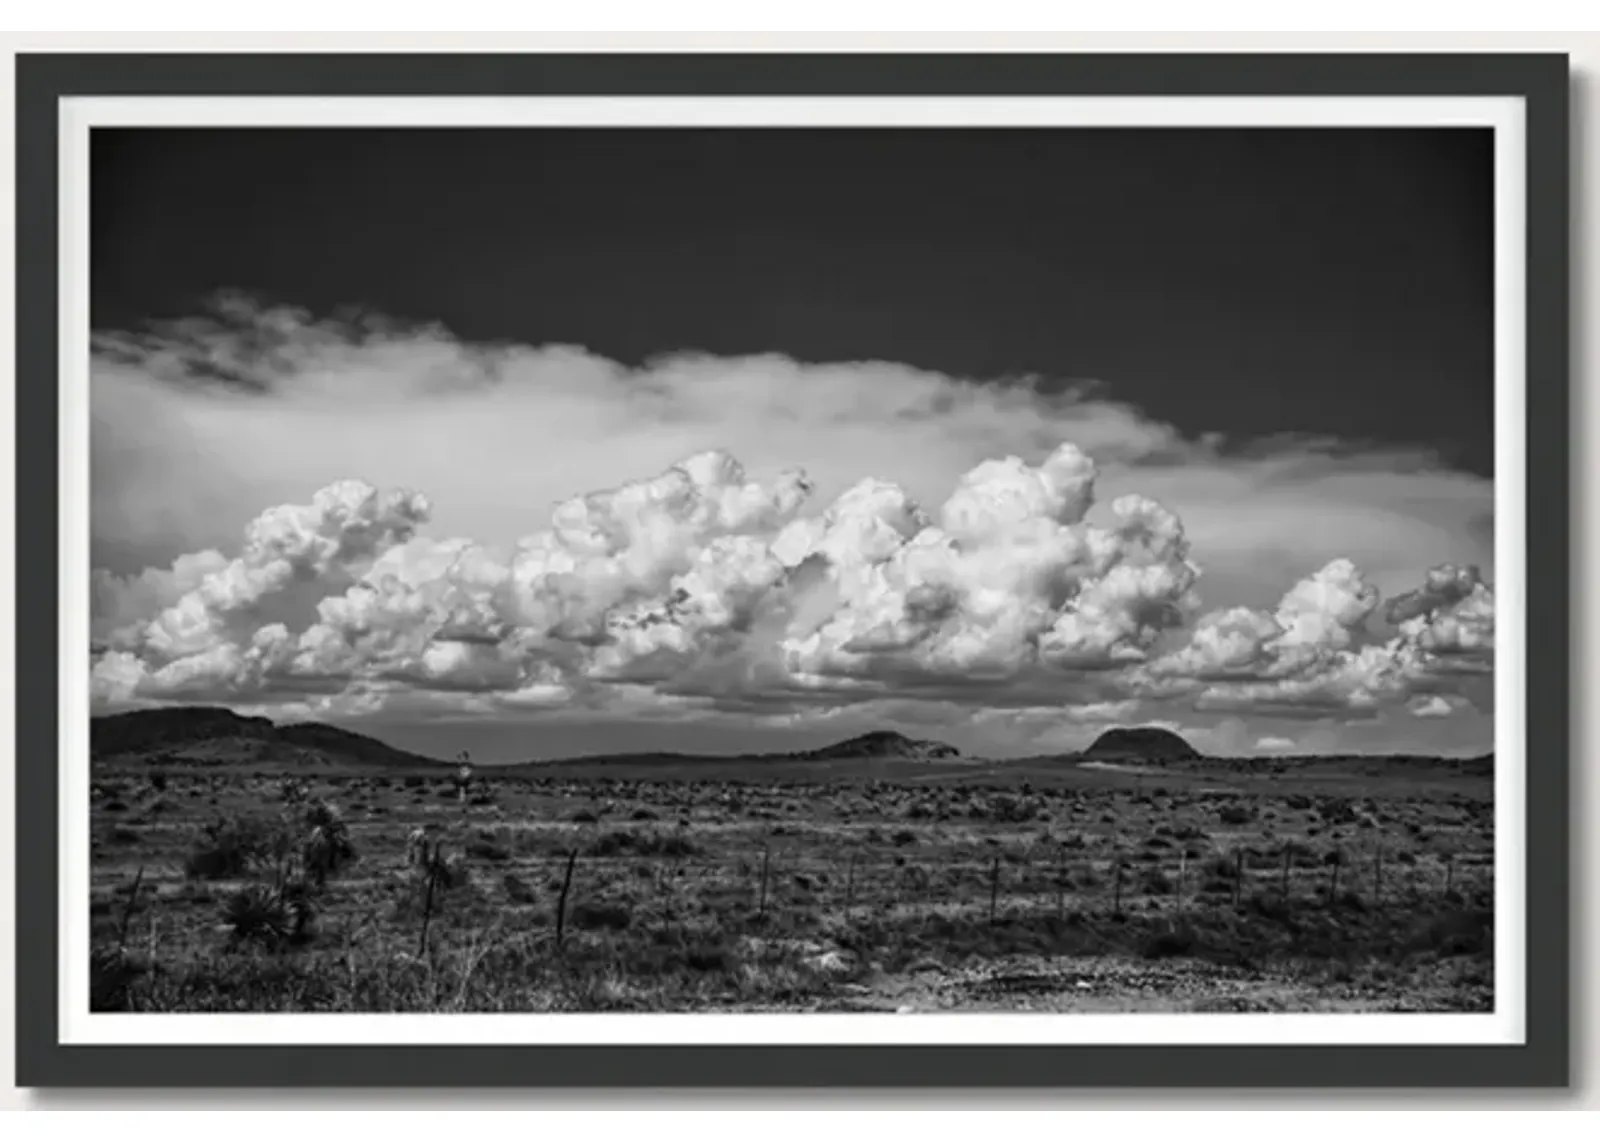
1271,744
1437,706
1022,558
1314,655
700,580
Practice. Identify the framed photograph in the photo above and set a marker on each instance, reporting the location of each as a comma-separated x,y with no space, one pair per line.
792,570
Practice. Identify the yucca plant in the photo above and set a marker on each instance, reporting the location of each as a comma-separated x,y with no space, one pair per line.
271,915
256,913
326,848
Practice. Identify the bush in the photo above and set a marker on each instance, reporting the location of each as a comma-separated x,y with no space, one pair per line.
111,974
326,847
518,891
231,847
486,850
586,817
648,843
269,915
600,915
1180,940
1156,881
1236,815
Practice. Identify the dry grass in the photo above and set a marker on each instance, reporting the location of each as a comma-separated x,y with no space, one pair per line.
1380,897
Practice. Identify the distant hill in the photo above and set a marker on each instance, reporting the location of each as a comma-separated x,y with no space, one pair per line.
1148,743
214,734
879,744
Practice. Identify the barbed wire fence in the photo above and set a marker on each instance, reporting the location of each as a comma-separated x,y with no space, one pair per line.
769,880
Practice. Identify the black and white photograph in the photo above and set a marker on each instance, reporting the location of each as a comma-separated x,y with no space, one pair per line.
794,570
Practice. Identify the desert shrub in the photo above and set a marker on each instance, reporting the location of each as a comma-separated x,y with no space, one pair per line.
1236,815
232,847
1155,881
1270,906
518,891
706,956
485,849
270,915
644,814
158,783
1178,940
1337,811
1456,933
414,781
112,973
1297,802
600,915
325,846
125,835
586,817
643,843
904,837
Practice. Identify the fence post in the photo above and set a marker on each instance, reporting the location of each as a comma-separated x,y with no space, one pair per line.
1333,877
1449,872
766,862
994,885
561,903
127,912
432,858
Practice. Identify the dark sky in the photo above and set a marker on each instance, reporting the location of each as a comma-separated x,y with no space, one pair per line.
1326,281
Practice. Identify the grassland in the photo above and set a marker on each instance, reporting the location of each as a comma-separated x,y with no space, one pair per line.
845,885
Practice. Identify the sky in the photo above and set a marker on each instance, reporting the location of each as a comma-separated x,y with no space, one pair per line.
536,442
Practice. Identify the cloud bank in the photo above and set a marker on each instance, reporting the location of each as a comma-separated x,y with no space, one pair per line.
1006,554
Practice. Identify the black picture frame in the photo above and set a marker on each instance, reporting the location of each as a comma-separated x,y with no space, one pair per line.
1541,80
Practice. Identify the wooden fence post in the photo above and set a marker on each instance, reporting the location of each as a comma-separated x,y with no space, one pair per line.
766,862
994,885
1333,877
427,899
127,912
561,903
